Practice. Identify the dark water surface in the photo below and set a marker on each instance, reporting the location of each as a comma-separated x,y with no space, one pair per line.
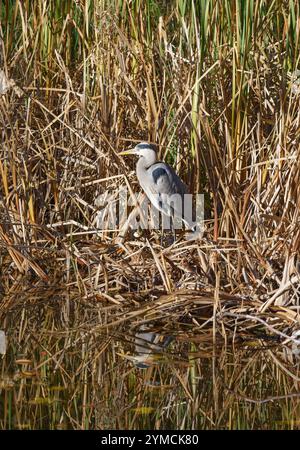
64,369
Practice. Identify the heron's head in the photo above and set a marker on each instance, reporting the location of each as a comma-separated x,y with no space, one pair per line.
144,149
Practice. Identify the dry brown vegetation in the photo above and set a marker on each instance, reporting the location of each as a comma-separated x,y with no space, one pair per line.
215,85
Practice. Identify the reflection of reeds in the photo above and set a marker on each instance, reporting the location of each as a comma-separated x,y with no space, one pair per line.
210,83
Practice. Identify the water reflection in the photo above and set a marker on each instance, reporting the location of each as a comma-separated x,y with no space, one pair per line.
148,346
69,374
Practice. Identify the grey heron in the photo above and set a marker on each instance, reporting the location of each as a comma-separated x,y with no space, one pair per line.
149,345
149,348
160,182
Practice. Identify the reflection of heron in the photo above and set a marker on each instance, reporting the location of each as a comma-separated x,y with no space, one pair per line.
160,182
147,345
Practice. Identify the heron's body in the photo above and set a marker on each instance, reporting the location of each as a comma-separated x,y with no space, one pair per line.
147,345
160,182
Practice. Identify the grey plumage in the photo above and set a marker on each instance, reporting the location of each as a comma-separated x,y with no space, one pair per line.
149,344
160,182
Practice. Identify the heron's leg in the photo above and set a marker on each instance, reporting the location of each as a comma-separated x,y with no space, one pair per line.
161,230
173,229
171,233
166,225
161,217
172,222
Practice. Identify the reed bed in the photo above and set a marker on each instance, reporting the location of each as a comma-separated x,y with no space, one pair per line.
215,85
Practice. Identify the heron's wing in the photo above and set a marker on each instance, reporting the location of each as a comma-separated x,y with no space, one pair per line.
164,180
167,187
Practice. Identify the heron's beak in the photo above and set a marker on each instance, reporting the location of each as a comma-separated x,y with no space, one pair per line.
131,151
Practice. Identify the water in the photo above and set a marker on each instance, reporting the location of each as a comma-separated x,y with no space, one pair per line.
64,369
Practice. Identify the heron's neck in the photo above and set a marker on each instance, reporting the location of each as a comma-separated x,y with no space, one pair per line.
145,162
142,165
